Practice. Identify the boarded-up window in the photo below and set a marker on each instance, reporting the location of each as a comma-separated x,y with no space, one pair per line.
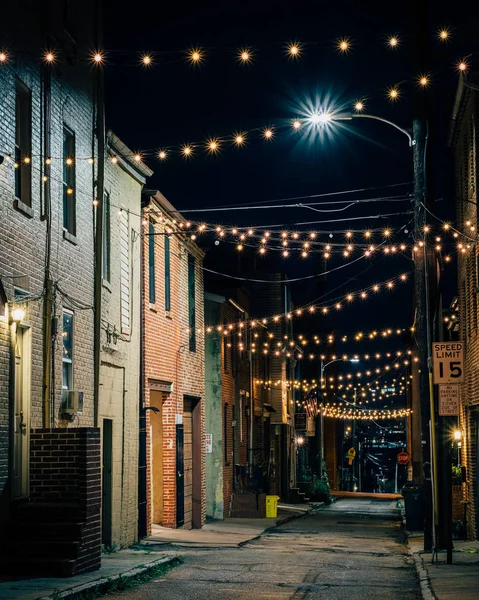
125,271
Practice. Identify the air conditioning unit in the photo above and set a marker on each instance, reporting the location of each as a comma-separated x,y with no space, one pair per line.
72,402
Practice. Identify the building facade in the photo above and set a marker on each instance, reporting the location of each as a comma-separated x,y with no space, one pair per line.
119,393
172,423
47,177
464,143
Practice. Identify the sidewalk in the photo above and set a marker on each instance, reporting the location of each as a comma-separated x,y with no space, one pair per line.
159,550
229,533
459,581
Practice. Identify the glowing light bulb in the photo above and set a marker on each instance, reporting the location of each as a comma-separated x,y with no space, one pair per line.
320,117
462,66
245,55
423,81
114,160
49,57
393,93
195,55
27,160
69,191
239,139
162,154
443,34
344,45
239,247
213,146
146,60
294,50
91,160
44,178
3,57
48,161
98,58
268,134
296,125
387,233
359,106
187,151
393,41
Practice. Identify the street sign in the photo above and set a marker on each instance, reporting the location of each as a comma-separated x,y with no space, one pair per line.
209,443
300,422
448,362
351,453
449,397
403,458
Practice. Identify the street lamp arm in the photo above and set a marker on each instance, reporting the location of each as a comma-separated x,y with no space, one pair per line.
406,133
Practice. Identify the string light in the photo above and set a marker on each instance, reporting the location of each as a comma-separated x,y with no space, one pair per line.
49,57
462,66
162,154
393,41
213,146
187,151
245,55
423,80
296,124
344,45
97,57
146,60
294,50
359,106
393,93
195,55
3,57
443,34
268,133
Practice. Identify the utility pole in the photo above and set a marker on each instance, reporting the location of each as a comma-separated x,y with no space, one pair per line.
100,188
423,274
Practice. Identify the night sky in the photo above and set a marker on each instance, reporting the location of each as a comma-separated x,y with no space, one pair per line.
174,102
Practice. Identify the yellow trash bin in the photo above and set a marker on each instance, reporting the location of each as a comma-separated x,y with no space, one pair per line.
272,506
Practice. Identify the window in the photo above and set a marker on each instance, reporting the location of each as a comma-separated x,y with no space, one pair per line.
125,271
69,168
225,432
105,269
67,356
151,263
167,274
23,143
191,302
225,353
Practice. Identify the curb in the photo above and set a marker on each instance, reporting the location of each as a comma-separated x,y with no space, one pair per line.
101,585
423,576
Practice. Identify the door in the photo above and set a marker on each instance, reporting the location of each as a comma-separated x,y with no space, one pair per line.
107,468
196,466
156,421
180,476
21,420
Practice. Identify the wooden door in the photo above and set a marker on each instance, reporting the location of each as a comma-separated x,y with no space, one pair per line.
156,421
107,483
21,421
180,477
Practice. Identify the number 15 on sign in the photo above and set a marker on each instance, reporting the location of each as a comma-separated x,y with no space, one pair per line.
448,362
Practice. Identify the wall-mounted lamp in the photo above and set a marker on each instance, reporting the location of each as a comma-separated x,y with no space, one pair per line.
18,314
300,440
457,435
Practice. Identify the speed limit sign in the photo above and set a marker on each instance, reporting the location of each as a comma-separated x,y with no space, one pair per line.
448,362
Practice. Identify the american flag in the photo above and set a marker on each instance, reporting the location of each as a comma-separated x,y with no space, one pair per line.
311,403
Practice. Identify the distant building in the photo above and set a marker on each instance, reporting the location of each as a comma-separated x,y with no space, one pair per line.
172,423
464,143
120,335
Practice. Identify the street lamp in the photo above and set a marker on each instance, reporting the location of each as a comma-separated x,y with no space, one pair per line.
321,418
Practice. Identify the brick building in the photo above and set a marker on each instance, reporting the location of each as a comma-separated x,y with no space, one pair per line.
464,143
172,423
229,411
119,392
47,176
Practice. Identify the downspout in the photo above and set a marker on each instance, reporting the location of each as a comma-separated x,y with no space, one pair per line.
142,525
100,132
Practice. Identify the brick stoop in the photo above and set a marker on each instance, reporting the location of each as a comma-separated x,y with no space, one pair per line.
248,506
58,531
297,497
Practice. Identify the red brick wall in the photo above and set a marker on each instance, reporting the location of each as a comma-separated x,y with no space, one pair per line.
465,150
65,466
167,356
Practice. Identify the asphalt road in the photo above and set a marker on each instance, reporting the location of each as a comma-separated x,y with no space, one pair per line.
351,550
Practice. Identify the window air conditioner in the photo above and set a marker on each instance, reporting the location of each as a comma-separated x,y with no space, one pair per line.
72,402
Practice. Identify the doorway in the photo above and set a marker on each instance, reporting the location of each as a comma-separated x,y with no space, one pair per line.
192,461
156,422
21,420
180,476
107,469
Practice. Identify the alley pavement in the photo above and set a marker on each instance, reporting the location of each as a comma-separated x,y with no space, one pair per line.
351,550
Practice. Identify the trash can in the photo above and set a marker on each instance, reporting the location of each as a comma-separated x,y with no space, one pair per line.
271,506
414,506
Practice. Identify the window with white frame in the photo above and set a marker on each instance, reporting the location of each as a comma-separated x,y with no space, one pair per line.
67,354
